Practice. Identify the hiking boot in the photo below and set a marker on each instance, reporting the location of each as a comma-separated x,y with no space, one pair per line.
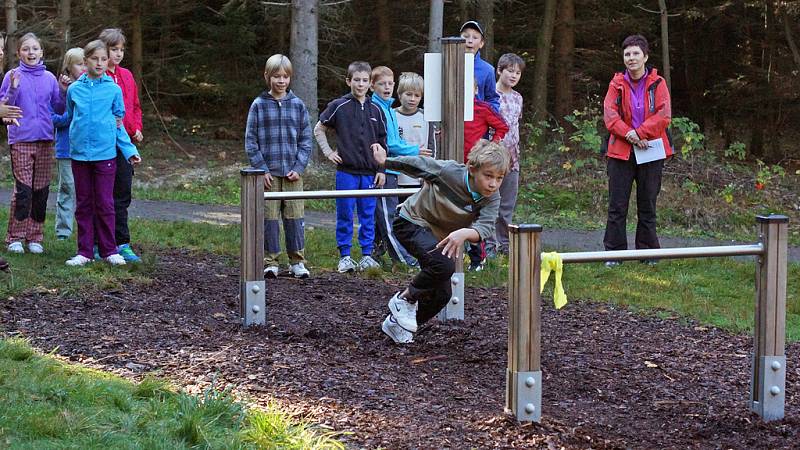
35,248
404,312
299,270
649,262
127,253
16,247
346,264
271,272
78,260
367,262
395,331
96,252
115,259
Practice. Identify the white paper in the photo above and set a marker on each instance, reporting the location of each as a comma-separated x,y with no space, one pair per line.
433,87
469,86
655,150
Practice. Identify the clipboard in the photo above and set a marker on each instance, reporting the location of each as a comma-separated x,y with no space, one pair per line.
655,150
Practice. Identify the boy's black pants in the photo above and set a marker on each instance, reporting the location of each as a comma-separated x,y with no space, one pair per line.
431,286
621,176
123,183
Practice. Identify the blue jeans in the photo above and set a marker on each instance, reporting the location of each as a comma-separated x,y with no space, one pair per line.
344,214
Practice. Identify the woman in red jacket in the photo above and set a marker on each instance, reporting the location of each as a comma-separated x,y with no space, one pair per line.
637,112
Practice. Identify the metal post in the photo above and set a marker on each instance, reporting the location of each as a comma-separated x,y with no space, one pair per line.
453,49
524,372
767,391
251,273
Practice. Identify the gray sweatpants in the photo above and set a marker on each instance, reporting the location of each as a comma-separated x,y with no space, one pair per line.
65,202
508,200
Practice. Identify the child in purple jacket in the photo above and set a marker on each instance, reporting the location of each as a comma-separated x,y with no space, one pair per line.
31,87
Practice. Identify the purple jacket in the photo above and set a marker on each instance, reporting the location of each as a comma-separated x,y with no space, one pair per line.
39,95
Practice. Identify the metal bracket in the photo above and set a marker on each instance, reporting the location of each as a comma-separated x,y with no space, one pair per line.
455,307
255,306
529,396
771,390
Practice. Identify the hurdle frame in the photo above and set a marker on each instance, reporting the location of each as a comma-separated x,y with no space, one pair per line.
768,364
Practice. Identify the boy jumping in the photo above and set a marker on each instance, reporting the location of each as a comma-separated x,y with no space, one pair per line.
456,203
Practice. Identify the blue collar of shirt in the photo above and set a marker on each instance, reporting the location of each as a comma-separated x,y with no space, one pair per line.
476,197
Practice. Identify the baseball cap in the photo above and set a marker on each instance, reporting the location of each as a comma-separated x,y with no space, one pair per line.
471,24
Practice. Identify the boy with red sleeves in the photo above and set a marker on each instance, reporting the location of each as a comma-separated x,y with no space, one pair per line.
484,118
115,41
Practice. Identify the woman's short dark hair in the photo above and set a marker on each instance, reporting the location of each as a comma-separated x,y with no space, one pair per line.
637,40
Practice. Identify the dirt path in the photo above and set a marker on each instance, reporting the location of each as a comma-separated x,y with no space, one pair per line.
560,240
612,378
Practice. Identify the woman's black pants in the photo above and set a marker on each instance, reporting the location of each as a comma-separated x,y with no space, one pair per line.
621,176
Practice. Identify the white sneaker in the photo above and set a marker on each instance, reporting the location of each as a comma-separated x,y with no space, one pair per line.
78,260
404,313
271,272
299,270
395,331
35,247
115,259
346,264
367,262
16,247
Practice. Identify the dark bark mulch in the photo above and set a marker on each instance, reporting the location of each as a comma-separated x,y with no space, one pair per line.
612,378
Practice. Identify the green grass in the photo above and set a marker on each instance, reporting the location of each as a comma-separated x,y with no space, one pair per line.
47,404
221,190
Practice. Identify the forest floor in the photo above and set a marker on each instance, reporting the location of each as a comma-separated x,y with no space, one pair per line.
614,378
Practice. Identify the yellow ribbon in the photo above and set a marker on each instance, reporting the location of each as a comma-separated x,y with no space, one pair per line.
552,262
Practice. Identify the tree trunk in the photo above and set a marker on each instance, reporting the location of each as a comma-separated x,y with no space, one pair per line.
136,43
787,30
435,26
463,11
384,32
65,13
564,47
486,19
11,32
304,54
662,4
543,43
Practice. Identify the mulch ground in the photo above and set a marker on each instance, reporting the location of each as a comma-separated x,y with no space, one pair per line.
612,378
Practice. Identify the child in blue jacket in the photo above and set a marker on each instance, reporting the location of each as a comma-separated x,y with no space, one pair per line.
382,85
94,112
72,68
472,32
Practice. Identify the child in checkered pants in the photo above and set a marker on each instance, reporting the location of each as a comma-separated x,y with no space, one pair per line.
31,87
278,140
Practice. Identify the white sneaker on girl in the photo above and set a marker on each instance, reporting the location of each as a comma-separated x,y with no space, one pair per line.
78,260
115,260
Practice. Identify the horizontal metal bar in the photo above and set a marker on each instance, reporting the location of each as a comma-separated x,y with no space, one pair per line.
355,193
663,253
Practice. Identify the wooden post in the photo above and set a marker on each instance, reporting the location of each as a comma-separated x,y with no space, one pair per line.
453,49
524,372
453,98
251,274
767,392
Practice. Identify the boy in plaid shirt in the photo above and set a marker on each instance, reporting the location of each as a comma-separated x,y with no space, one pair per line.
278,140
